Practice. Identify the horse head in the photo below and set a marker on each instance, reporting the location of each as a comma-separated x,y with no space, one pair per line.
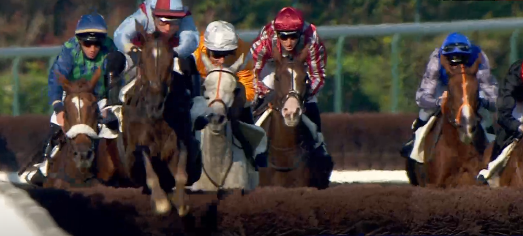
290,85
460,105
155,67
220,91
81,117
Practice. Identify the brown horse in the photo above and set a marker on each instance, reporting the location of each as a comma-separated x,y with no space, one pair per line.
155,134
79,163
455,144
288,160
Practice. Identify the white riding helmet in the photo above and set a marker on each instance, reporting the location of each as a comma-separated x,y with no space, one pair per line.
220,36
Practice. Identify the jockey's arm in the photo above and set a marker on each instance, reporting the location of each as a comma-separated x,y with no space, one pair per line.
425,94
261,52
189,37
127,31
246,71
510,86
63,65
487,84
316,60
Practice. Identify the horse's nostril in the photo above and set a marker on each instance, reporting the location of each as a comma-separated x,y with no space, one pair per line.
298,110
222,118
75,153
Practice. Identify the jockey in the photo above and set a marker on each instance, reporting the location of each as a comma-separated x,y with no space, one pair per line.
223,47
166,16
510,97
458,49
289,33
80,57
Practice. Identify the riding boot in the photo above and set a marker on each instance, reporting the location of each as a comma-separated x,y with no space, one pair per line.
55,131
196,85
407,147
246,116
50,149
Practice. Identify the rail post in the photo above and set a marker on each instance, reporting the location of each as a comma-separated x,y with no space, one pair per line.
16,86
338,79
395,73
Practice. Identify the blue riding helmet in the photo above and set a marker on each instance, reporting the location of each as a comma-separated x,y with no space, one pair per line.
91,28
456,43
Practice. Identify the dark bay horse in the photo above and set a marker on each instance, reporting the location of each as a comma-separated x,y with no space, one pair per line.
79,162
454,146
289,162
157,126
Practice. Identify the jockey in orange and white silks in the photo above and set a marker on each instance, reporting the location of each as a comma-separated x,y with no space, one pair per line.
289,33
459,50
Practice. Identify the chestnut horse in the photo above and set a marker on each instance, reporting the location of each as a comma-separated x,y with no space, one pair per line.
289,160
78,162
455,144
156,126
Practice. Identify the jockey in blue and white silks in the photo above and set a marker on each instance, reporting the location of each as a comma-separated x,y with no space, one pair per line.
459,50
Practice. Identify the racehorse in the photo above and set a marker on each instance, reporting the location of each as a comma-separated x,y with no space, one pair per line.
454,146
225,164
289,162
90,163
155,134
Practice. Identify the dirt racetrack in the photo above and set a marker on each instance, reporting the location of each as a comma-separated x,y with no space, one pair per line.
344,209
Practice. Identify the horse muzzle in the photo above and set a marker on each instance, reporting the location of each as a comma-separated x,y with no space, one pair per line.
83,157
292,112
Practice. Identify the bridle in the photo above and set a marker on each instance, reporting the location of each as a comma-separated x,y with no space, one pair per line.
217,98
293,91
455,119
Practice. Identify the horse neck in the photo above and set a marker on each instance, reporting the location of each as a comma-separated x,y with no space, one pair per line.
217,149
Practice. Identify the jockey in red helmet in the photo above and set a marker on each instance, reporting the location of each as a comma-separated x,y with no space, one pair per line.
289,33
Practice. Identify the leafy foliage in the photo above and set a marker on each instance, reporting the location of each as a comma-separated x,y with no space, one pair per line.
366,61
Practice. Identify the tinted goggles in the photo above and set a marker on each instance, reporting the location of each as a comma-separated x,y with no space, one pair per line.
89,44
220,54
456,48
288,35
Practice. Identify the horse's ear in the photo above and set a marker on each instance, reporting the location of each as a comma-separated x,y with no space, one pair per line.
207,62
237,64
304,53
94,80
63,81
475,67
445,63
276,55
140,30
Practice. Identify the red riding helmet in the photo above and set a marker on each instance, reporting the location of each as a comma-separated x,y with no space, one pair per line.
168,9
289,19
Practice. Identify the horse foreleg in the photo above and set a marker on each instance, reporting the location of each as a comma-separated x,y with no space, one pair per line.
159,200
178,166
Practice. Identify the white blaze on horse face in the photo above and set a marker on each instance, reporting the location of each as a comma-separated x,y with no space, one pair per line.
291,110
78,103
467,122
156,52
294,79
